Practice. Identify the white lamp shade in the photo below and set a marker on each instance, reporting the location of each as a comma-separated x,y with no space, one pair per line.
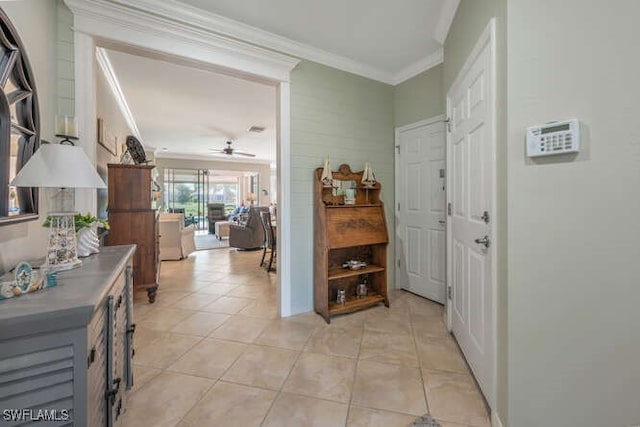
61,166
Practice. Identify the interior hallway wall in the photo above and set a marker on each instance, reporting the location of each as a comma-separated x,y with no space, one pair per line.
36,24
574,275
419,98
350,119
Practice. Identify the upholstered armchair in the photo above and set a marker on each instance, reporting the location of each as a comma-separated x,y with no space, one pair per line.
215,213
251,234
176,240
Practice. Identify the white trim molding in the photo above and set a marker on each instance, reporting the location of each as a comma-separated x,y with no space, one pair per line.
119,22
398,190
447,13
416,68
425,122
201,20
283,183
105,23
210,158
114,84
224,26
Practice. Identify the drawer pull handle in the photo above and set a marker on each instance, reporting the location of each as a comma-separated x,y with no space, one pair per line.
92,357
119,408
111,393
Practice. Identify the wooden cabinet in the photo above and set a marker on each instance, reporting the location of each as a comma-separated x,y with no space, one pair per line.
68,349
132,220
348,232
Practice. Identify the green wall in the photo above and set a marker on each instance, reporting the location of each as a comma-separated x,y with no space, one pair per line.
419,98
65,61
574,275
349,118
470,21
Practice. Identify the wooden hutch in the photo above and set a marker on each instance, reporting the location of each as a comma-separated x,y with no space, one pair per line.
344,232
133,220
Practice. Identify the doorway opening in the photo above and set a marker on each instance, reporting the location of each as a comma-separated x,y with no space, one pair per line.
98,24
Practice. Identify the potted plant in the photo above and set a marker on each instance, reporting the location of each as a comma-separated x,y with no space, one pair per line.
86,233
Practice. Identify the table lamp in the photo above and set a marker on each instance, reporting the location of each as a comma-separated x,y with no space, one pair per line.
62,167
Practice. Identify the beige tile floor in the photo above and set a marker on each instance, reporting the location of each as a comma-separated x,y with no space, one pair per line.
212,352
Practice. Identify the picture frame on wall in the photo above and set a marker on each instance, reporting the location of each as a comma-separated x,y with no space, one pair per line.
106,138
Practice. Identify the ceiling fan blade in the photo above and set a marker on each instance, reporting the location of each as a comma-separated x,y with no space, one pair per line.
240,153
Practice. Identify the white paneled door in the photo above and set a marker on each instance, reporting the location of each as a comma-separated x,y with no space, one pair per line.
420,209
471,237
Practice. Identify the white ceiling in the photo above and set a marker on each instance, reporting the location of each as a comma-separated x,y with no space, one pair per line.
188,111
181,111
382,39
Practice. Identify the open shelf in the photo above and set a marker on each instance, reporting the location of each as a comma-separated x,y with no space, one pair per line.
341,273
358,205
354,303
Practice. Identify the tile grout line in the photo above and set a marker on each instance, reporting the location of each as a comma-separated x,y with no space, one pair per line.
199,400
315,328
355,371
266,414
415,344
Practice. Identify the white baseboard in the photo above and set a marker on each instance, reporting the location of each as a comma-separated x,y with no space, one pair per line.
495,420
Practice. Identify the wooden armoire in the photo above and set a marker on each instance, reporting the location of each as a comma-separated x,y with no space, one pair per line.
132,220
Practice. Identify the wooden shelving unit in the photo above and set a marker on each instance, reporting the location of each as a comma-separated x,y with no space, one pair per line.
341,272
348,232
132,220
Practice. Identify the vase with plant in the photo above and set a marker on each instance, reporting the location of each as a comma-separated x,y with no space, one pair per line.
86,227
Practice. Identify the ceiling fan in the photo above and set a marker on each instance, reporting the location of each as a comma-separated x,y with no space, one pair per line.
230,151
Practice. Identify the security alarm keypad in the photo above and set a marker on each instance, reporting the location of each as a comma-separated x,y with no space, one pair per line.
553,138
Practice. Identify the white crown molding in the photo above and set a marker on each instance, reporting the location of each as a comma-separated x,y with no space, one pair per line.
224,26
114,84
447,13
416,68
210,158
173,35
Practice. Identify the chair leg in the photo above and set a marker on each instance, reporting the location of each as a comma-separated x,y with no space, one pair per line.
264,252
270,260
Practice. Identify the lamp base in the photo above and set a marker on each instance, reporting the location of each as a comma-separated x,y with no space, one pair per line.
62,249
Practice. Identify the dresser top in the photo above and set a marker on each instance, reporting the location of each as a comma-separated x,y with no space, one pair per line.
71,303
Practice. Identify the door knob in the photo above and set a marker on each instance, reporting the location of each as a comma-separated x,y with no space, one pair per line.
483,241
